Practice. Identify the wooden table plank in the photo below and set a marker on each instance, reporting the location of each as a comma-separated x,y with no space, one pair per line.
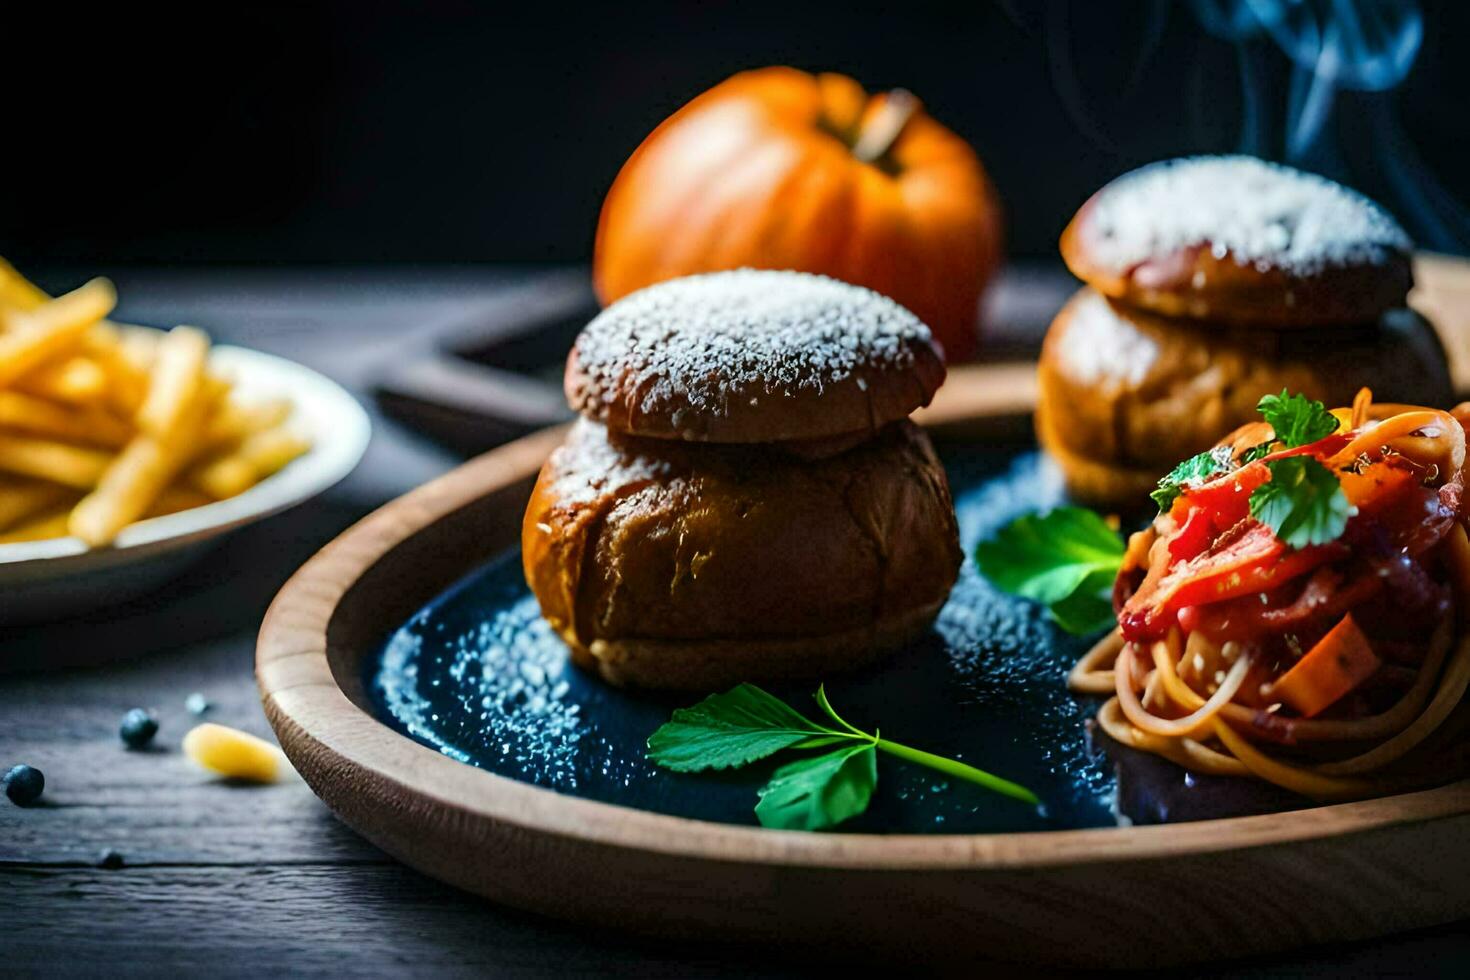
311,920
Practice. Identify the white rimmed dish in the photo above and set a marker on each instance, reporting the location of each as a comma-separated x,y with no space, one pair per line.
58,576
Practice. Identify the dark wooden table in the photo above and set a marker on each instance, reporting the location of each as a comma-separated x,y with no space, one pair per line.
234,880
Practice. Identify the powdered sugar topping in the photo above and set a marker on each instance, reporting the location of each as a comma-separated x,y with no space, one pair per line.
700,340
1260,213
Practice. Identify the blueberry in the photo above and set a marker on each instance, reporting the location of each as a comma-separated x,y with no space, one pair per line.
138,728
110,859
23,784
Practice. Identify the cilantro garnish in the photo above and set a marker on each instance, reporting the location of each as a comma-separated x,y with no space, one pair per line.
745,724
1303,503
1193,471
1066,559
1296,419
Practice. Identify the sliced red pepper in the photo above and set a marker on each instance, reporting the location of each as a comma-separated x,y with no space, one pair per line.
1218,552
1194,535
1228,496
1225,499
1250,561
1325,597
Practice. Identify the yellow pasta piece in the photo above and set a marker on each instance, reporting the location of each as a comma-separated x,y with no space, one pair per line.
236,754
71,466
52,329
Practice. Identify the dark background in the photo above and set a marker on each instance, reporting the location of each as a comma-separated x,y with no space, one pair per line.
368,132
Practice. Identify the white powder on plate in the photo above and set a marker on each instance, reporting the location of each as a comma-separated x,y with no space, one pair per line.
1260,213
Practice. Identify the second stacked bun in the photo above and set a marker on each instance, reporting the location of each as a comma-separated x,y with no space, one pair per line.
743,497
1211,281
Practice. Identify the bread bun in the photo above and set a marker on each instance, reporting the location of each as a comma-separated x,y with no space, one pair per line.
1134,393
752,357
1236,240
1111,486
667,565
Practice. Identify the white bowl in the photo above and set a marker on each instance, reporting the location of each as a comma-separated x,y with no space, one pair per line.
45,579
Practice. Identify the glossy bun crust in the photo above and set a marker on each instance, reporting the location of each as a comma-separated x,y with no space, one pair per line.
696,567
750,357
1237,241
1125,395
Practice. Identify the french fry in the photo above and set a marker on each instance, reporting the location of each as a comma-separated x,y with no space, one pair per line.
175,381
51,524
18,291
235,421
177,498
257,458
53,329
136,477
58,462
104,423
40,417
23,499
76,381
139,345
104,342
127,383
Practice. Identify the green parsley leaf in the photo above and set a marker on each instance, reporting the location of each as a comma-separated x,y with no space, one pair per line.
728,730
1303,503
821,791
746,724
1066,559
1296,419
1194,470
1090,608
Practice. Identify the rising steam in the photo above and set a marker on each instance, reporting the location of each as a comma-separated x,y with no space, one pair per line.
1335,46
1334,49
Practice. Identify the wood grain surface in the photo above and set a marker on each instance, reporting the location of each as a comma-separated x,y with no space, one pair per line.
1076,898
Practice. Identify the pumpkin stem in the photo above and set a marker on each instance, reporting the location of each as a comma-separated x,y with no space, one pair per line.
882,127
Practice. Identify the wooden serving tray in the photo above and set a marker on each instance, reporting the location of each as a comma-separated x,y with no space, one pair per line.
1118,897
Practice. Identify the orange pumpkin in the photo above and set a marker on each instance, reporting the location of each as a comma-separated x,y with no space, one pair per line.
779,169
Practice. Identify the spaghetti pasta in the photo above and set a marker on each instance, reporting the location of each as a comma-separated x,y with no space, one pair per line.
1193,679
